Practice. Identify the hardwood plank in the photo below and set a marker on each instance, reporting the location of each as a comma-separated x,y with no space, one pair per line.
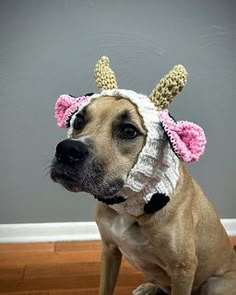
89,291
118,291
75,292
7,285
53,257
77,246
26,247
12,272
72,282
86,256
48,270
38,271
26,293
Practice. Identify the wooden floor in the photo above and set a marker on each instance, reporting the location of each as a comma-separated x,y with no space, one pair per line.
58,268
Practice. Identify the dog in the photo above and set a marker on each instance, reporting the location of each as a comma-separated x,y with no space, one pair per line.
180,246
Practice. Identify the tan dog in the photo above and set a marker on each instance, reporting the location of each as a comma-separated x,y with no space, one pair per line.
182,249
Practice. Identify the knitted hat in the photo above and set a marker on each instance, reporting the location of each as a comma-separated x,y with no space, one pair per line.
157,169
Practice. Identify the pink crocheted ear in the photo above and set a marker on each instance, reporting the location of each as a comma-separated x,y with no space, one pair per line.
187,139
66,106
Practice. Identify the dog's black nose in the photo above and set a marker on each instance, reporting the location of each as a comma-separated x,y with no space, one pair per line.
70,151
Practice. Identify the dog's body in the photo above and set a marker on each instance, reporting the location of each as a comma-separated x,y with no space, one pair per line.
182,248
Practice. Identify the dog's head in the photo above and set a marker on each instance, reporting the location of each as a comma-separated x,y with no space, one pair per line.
118,137
105,139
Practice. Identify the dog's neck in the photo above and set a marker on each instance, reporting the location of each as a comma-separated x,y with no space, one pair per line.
148,189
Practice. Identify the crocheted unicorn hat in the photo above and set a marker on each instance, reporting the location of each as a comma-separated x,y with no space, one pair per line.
157,168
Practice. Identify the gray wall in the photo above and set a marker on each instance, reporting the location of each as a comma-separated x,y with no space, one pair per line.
50,47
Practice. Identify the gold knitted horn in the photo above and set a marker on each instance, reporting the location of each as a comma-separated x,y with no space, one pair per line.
168,87
104,76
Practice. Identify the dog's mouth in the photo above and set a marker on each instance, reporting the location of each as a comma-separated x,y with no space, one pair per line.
75,180
66,181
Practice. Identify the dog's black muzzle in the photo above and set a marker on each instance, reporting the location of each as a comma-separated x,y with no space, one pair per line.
76,168
71,151
69,162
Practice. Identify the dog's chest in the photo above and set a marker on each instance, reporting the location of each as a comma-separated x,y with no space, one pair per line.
129,237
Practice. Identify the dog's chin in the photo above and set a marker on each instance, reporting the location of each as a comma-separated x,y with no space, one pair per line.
65,182
106,198
100,191
68,185
72,188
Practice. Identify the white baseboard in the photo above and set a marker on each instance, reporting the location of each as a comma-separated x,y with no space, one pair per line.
65,231
48,232
230,225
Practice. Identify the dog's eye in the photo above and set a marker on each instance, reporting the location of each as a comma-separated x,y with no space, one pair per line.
79,122
128,131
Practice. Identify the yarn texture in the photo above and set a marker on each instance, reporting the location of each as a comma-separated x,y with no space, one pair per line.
168,87
66,106
104,76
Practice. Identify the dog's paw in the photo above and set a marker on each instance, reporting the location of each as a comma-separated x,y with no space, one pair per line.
146,289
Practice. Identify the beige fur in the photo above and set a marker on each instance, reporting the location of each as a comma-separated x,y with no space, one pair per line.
103,112
183,248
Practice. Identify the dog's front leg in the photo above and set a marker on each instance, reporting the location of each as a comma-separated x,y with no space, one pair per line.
110,265
182,277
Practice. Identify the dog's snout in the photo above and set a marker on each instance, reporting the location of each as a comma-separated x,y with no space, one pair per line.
70,151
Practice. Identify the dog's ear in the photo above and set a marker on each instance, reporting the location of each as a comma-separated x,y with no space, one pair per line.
187,139
168,87
104,76
66,106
